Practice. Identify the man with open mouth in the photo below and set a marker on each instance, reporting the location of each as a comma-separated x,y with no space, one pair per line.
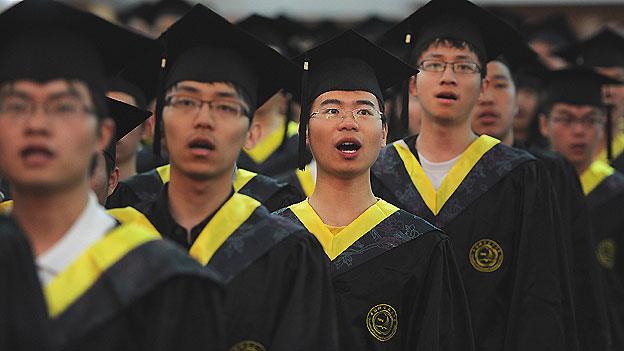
107,286
495,202
573,121
396,282
277,283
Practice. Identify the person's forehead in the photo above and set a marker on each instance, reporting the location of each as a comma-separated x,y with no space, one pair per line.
446,50
611,72
46,88
498,70
575,109
205,88
346,97
123,97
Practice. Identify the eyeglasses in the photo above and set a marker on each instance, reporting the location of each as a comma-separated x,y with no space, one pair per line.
360,114
60,108
568,121
461,67
219,108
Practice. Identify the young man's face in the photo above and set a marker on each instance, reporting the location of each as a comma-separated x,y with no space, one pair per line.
345,147
49,134
528,102
204,143
574,131
127,147
493,115
447,97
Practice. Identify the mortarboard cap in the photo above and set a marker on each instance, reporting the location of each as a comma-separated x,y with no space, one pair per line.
267,30
458,20
554,30
126,117
346,62
44,40
605,49
117,83
577,85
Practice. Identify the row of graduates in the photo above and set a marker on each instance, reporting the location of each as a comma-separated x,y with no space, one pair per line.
515,268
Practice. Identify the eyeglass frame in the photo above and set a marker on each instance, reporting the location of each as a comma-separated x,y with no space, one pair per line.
453,64
244,110
342,114
570,122
33,107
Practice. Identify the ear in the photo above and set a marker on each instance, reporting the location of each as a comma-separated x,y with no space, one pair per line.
412,85
107,128
384,135
113,180
254,134
543,125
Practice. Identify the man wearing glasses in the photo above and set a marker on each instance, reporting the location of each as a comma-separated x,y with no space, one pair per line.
395,278
573,121
278,293
495,202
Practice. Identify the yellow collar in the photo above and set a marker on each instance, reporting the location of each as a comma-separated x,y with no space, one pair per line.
6,207
267,146
242,177
436,200
617,147
334,245
594,175
306,180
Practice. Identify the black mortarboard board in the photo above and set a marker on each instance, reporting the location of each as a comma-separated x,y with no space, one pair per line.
524,64
346,62
126,117
605,49
141,72
266,30
205,47
554,29
44,40
118,83
454,19
577,85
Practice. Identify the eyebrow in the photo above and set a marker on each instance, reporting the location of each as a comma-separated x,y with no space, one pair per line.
24,95
456,57
331,102
365,102
499,76
193,90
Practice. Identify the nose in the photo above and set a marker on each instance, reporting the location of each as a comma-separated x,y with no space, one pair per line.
448,76
348,122
38,122
205,117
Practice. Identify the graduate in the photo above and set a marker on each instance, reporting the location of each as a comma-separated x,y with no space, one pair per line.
604,52
278,290
573,120
24,324
105,174
495,202
493,115
394,274
107,286
275,152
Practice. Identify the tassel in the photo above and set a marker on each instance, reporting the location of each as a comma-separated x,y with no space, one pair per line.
303,118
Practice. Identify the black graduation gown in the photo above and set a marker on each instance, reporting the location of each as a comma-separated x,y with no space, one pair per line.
146,187
23,315
301,181
396,282
502,220
617,148
606,200
133,291
587,286
277,283
147,160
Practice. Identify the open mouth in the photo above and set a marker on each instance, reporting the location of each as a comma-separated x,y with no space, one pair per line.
348,147
447,96
39,151
488,114
202,145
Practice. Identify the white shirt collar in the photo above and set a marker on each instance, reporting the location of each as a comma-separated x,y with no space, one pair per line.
92,224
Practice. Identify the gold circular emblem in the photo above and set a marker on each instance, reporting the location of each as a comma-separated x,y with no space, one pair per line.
248,345
486,255
606,253
382,322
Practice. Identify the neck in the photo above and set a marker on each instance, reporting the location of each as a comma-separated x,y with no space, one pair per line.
127,169
46,218
192,200
582,167
508,139
340,201
439,143
521,135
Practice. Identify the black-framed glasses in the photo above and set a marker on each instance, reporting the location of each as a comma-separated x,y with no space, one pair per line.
461,67
61,108
220,108
360,114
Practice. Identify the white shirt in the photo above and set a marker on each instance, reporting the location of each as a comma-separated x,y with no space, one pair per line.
92,224
437,171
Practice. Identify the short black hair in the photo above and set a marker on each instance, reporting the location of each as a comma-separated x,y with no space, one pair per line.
454,43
